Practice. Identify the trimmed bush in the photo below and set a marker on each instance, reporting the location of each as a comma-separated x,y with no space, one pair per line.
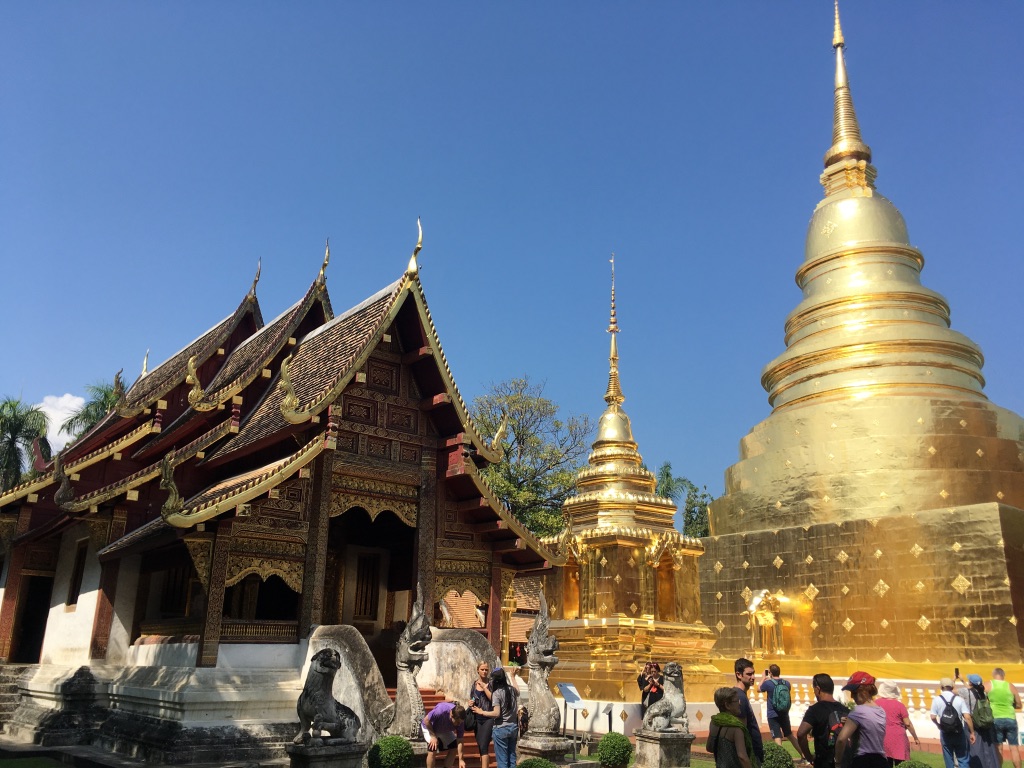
776,756
614,750
912,764
536,762
390,752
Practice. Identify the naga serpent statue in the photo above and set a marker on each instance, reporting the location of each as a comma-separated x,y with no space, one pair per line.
540,659
410,655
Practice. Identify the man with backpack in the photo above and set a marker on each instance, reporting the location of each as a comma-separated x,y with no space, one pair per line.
780,699
824,720
956,726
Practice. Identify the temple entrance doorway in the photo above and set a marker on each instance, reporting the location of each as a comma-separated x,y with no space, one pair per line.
30,622
370,579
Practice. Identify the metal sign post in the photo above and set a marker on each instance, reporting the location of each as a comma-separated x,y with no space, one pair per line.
573,701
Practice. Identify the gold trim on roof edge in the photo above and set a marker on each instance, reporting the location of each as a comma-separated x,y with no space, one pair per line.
275,473
152,471
79,464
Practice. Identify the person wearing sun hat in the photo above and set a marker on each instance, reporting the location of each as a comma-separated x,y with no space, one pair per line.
868,720
984,750
897,722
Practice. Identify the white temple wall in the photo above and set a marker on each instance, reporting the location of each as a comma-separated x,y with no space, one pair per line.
124,610
69,627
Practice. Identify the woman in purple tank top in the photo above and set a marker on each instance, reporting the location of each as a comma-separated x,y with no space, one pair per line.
867,722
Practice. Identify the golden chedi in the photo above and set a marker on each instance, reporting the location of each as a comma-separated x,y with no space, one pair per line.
880,502
629,590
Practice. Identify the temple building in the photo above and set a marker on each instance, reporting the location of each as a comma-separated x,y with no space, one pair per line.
875,515
267,478
628,592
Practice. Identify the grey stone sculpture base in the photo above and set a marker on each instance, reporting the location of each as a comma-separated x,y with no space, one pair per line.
327,754
660,749
548,746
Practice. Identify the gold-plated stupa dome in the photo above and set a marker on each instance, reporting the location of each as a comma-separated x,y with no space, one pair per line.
872,393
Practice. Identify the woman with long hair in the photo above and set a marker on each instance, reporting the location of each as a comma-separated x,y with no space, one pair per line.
866,719
505,711
480,702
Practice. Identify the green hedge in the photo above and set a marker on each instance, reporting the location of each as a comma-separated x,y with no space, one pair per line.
776,756
912,764
536,762
614,749
390,752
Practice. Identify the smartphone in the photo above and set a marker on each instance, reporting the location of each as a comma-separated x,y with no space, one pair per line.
766,673
956,673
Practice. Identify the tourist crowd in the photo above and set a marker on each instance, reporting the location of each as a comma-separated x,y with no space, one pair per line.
874,730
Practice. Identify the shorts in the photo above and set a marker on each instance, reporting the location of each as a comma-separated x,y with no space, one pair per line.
445,739
780,726
1005,729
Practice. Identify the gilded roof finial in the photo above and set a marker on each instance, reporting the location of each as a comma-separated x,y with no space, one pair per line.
413,267
846,139
259,268
614,394
145,365
321,278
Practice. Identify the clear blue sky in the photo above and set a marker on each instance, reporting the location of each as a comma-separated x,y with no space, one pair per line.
151,152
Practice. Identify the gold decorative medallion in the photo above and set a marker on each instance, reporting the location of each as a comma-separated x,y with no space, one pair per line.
718,595
960,583
848,624
718,567
699,715
980,453
586,691
1013,620
884,623
631,561
965,622
585,713
809,559
881,588
956,546
842,557
777,562
814,624
811,592
747,594
963,422
745,565
916,550
919,587
944,493
720,627
932,450
622,715
923,622
633,607
617,579
845,590
877,553
604,561
999,495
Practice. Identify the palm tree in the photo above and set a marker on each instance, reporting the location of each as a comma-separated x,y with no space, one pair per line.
694,509
102,396
20,426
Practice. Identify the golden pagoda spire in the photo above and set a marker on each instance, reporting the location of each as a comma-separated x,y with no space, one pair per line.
846,139
614,393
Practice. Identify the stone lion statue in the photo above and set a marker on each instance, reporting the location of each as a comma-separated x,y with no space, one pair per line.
669,714
318,709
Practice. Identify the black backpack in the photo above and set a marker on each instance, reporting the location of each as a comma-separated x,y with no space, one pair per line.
950,721
835,725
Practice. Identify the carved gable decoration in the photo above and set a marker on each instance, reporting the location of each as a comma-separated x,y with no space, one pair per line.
382,376
463,574
256,551
375,496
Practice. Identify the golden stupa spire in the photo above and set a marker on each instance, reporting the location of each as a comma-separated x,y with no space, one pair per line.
614,393
846,139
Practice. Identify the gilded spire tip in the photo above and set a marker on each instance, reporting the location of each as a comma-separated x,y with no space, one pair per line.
846,139
837,35
413,267
614,393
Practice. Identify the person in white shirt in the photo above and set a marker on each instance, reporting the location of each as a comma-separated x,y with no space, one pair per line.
955,739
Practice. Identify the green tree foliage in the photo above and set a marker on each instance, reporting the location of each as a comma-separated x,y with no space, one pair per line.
692,501
102,396
543,453
20,425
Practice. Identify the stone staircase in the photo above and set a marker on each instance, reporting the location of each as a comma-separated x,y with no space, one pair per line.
470,751
9,694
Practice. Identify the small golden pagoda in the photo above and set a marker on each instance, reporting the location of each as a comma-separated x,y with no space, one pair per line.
629,591
880,504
